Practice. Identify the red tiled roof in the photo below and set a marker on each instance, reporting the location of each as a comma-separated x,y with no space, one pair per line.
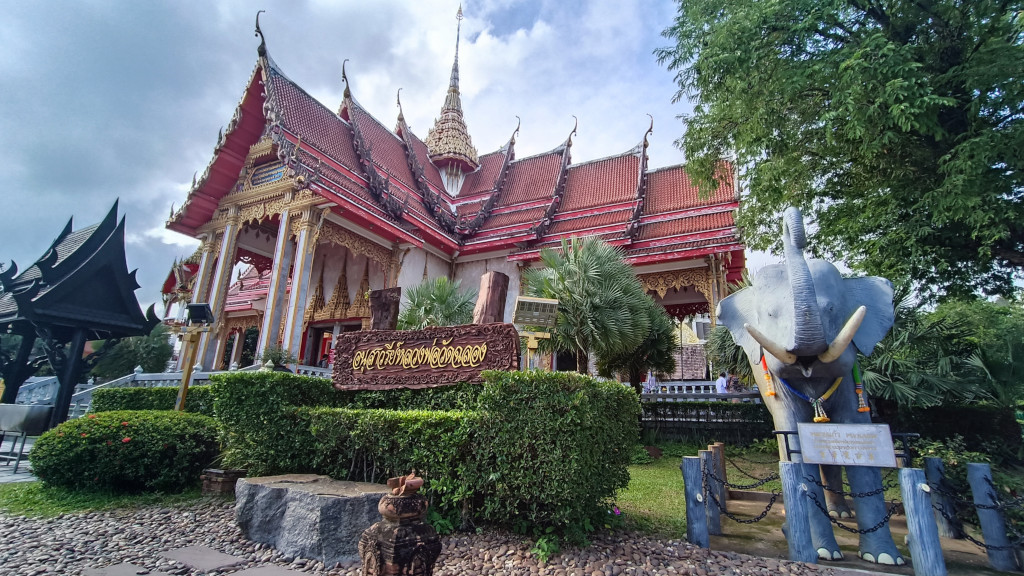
670,189
430,171
385,147
686,225
483,178
512,218
531,179
601,182
307,117
469,209
725,238
588,222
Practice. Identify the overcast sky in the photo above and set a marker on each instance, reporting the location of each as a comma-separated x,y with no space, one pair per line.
102,100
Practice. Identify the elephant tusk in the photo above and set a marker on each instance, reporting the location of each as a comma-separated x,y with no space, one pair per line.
842,341
770,346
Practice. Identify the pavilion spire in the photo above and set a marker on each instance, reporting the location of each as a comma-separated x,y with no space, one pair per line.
449,143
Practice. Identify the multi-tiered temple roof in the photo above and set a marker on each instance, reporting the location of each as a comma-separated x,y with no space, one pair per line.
439,192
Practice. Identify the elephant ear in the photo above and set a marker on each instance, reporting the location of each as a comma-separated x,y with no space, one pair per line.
736,310
875,294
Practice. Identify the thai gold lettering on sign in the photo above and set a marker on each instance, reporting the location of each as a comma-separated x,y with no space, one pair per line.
394,354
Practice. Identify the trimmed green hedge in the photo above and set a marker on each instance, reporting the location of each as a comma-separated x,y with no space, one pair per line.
983,427
127,451
524,449
198,400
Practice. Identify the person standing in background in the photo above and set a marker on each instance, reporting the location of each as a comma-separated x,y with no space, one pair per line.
722,384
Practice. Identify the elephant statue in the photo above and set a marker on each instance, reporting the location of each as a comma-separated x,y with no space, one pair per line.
796,323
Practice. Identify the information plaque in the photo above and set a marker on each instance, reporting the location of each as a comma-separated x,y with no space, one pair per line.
847,444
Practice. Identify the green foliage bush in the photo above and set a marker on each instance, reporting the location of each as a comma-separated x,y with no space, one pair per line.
552,448
198,400
983,427
127,451
537,449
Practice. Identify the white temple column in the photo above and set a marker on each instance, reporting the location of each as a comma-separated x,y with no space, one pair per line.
236,348
201,284
219,287
284,253
301,273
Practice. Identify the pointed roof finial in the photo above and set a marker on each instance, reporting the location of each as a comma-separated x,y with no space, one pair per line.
398,101
519,122
448,141
649,131
574,126
262,50
344,78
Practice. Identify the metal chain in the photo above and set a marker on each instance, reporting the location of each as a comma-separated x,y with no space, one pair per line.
705,474
742,471
892,510
825,487
760,481
1011,546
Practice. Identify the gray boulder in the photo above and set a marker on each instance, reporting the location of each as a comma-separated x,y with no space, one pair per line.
306,515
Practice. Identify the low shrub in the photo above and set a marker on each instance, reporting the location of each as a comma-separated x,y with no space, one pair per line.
984,428
529,450
373,445
198,400
552,448
127,451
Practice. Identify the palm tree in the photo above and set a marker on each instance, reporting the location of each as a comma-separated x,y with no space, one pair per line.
1001,372
916,364
601,303
657,352
437,302
727,356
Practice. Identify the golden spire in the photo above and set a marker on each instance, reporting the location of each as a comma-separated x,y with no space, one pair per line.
448,141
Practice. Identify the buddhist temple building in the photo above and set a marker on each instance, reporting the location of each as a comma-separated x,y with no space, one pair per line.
327,205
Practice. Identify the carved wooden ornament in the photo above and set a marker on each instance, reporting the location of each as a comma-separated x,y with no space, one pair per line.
383,359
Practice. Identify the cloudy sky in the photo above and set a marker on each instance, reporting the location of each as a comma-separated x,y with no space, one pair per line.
103,100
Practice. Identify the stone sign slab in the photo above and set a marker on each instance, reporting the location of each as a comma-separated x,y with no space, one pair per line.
383,359
847,444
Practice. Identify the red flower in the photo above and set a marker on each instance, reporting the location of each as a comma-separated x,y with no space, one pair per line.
109,442
126,440
92,416
124,423
84,434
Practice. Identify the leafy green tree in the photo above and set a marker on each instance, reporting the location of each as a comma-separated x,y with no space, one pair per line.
657,352
602,307
151,352
896,126
250,338
437,302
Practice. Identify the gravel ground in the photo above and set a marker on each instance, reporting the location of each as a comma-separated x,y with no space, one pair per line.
70,543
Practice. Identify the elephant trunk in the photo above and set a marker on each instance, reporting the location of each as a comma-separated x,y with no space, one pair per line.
809,335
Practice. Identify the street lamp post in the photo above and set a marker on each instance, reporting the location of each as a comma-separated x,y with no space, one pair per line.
199,319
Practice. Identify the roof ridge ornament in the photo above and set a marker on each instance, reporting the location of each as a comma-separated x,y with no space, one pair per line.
649,132
344,78
262,49
398,102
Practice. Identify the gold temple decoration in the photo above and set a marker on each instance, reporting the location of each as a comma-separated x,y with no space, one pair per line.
337,307
334,234
241,323
449,139
661,282
361,305
316,303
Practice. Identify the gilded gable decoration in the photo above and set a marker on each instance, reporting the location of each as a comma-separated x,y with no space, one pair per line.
334,234
661,282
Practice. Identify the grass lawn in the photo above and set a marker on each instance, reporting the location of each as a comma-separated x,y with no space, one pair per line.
654,501
35,499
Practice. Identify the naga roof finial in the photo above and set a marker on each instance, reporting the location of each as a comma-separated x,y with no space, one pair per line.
649,131
398,101
262,50
574,126
344,78
519,122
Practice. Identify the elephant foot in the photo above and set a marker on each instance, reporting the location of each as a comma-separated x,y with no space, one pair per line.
840,512
826,554
883,558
